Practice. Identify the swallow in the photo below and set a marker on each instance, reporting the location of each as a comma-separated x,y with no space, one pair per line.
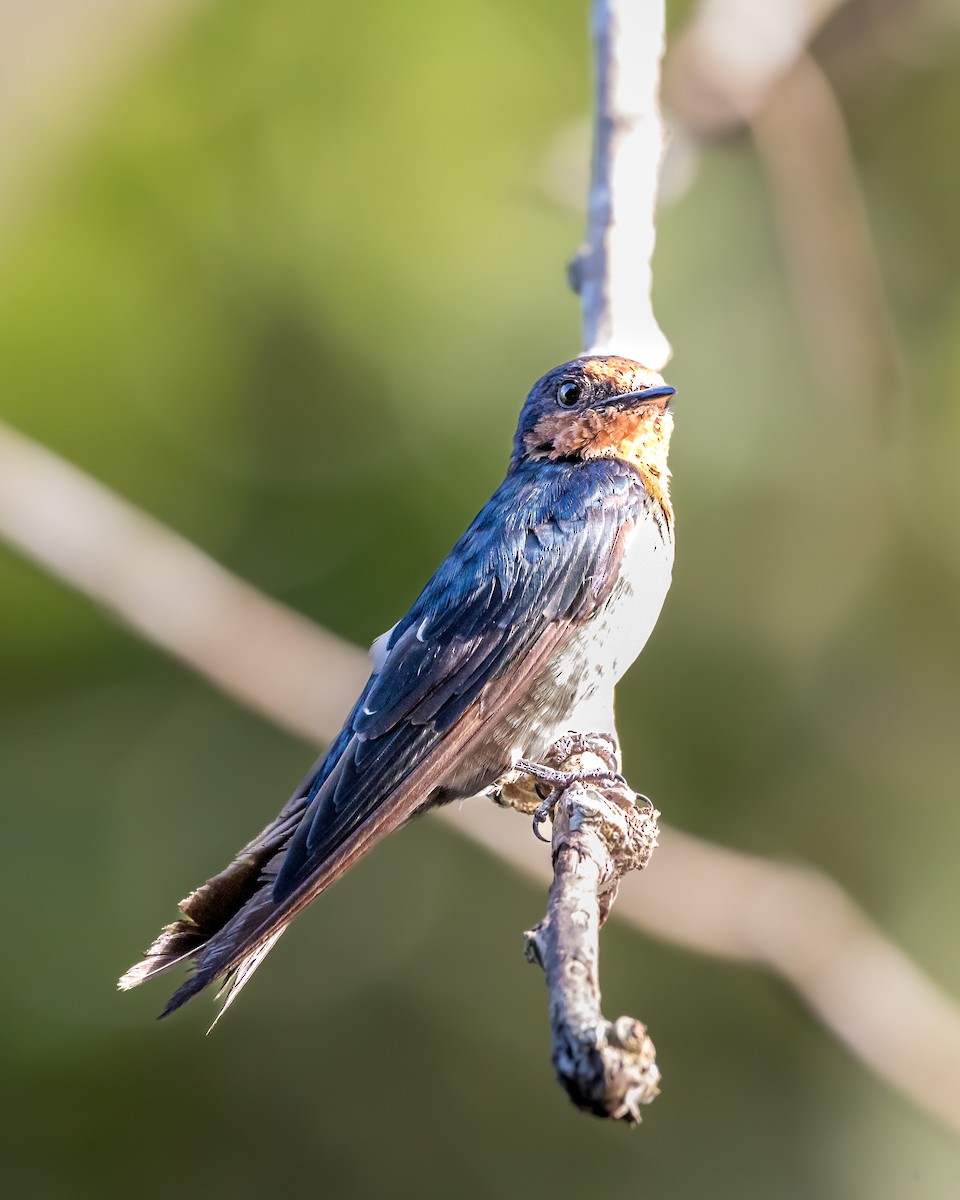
516,642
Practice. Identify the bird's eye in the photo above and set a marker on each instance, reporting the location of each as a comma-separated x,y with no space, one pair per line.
568,394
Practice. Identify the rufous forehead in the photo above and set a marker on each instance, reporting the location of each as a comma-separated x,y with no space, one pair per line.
625,374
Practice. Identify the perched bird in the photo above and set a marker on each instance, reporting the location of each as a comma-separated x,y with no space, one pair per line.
516,641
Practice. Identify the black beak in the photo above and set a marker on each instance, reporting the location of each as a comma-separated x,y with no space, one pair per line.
644,396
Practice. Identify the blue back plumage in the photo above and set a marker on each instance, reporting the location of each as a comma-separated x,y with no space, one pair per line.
543,548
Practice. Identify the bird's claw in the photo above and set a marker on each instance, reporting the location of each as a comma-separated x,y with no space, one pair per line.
551,784
544,812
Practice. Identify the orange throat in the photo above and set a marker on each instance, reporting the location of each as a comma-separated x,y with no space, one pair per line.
639,436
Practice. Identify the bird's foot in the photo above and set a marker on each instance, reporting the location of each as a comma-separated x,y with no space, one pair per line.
552,782
603,745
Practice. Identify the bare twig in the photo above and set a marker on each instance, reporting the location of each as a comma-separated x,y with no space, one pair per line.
608,1069
802,927
599,834
790,921
612,272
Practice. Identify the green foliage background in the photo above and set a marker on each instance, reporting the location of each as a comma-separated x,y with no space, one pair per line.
288,298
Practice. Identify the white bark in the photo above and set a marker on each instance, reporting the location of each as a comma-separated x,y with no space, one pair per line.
613,272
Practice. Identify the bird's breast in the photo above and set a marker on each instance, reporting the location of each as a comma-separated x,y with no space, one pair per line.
606,645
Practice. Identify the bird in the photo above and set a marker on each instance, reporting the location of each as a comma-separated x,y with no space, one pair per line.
515,643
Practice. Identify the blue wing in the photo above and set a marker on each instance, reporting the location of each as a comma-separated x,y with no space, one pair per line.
536,562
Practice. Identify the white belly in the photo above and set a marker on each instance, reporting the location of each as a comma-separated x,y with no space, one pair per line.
575,693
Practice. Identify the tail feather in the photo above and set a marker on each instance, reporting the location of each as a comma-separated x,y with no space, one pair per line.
230,923
233,983
236,949
215,904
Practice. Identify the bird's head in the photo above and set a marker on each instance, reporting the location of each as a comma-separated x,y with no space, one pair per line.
600,406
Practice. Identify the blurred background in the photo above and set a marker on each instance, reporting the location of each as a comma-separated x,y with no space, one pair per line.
281,273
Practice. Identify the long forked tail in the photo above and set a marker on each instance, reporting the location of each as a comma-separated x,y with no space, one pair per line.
230,924
212,915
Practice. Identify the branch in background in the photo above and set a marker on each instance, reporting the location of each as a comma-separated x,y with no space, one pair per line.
794,923
745,63
612,273
732,54
58,59
834,271
802,144
173,595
